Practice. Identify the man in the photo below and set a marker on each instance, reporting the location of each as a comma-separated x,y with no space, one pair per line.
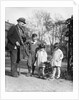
14,42
31,52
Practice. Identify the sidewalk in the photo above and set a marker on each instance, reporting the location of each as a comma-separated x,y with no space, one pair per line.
33,84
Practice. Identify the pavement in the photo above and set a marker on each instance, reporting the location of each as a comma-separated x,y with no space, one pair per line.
34,84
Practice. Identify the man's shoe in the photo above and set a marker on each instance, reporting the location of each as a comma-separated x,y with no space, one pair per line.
15,74
52,77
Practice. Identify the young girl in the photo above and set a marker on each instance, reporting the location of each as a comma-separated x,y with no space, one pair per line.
41,58
56,60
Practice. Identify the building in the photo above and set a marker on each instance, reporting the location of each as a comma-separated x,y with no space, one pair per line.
7,27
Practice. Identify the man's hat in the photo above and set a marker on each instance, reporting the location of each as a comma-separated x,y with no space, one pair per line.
21,20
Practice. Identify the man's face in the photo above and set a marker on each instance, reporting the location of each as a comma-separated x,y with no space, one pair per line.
21,23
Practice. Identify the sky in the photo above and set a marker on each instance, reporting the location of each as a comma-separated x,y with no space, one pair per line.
13,13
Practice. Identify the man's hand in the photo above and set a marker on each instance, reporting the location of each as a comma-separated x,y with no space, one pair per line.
17,43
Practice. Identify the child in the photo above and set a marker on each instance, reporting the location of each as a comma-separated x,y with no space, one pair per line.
41,58
31,53
56,60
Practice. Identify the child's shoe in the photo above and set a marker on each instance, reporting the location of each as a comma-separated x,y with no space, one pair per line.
58,77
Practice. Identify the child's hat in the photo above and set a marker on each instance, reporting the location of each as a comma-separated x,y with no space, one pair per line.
42,45
56,45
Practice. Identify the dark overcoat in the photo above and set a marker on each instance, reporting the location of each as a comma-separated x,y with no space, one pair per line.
13,36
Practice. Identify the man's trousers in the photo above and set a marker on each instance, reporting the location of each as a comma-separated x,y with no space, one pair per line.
15,58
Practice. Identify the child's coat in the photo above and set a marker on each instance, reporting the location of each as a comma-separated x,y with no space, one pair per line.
57,58
41,57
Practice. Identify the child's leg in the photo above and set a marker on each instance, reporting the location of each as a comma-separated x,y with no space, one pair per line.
43,71
59,71
33,62
29,65
29,71
54,72
39,71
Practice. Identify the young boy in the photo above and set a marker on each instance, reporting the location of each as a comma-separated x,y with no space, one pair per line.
31,52
56,60
41,59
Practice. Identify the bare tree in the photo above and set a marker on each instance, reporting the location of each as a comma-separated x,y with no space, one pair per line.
44,22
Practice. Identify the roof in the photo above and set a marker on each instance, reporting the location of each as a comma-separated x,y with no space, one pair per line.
8,25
